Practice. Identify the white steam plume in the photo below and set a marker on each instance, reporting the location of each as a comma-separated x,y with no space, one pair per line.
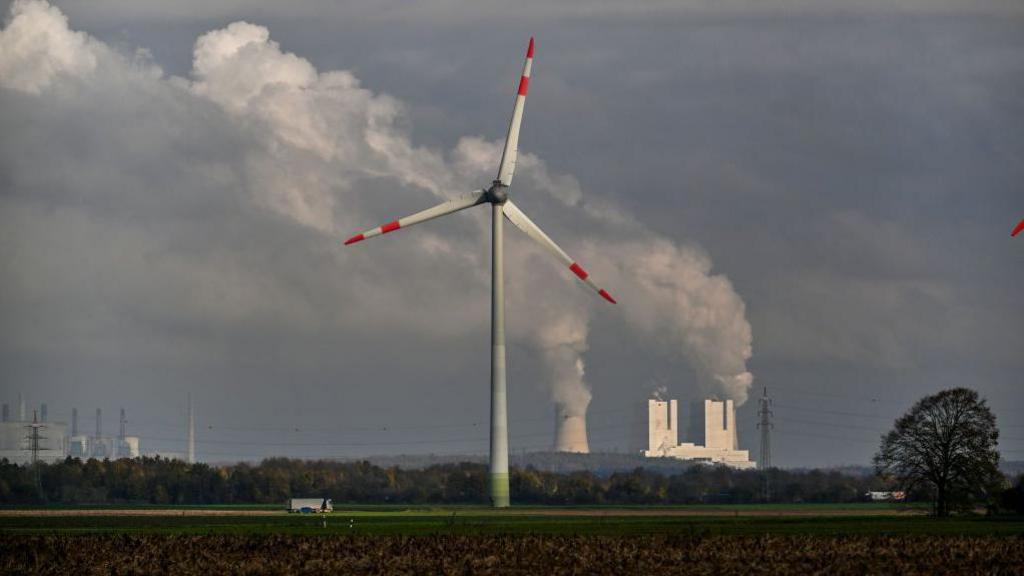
683,306
562,342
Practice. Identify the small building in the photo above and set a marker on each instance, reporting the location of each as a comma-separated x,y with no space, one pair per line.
719,444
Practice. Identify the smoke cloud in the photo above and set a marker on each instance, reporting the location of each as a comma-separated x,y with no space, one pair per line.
282,161
688,310
563,341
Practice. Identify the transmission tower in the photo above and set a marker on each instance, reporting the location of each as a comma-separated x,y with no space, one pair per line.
765,425
34,445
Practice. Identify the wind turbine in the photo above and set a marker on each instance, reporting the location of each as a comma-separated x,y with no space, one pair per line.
497,196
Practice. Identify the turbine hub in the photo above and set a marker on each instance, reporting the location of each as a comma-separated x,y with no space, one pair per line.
497,193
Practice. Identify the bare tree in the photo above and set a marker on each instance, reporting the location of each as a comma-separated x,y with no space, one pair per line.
945,445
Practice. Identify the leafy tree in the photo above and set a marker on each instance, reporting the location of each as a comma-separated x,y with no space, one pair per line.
946,446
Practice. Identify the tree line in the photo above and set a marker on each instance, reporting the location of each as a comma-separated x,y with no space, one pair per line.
161,481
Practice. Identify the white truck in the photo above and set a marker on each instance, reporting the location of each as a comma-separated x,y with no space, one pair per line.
310,505
895,496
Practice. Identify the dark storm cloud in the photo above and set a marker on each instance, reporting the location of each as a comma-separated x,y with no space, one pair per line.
854,169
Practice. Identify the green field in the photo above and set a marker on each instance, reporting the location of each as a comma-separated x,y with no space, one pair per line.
368,520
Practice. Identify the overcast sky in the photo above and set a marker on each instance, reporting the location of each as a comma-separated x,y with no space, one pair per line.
812,196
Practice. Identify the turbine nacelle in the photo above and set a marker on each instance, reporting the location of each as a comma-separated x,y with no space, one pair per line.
497,193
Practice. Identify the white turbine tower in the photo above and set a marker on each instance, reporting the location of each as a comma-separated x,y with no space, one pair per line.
497,197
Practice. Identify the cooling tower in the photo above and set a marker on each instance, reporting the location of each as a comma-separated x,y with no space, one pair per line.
570,432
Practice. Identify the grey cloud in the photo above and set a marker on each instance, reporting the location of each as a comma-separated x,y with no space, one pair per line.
851,168
180,252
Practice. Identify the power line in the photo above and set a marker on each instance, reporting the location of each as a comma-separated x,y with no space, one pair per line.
462,439
804,391
833,425
835,412
343,429
827,437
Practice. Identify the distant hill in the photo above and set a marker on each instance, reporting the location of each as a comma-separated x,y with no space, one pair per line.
605,464
600,464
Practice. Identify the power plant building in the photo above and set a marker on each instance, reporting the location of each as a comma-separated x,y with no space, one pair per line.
714,420
16,438
55,442
100,446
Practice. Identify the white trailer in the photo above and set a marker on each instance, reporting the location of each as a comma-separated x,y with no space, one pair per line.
895,496
310,505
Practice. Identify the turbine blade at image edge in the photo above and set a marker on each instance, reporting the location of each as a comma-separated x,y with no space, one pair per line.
523,222
454,205
511,152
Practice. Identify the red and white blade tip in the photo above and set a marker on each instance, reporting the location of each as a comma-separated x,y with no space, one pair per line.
354,239
604,294
583,275
529,51
1020,226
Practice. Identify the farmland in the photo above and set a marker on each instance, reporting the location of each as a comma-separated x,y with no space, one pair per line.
514,554
685,539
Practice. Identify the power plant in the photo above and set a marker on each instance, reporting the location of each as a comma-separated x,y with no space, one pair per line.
713,424
37,439
31,439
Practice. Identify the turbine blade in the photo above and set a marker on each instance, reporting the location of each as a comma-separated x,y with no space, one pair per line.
523,222
511,151
442,209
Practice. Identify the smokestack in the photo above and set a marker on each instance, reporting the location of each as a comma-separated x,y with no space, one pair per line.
99,421
570,432
120,436
21,407
191,432
7,412
42,412
74,421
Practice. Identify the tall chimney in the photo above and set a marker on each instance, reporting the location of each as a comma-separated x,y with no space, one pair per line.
99,421
120,436
21,407
570,432
42,412
191,431
74,421
7,412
